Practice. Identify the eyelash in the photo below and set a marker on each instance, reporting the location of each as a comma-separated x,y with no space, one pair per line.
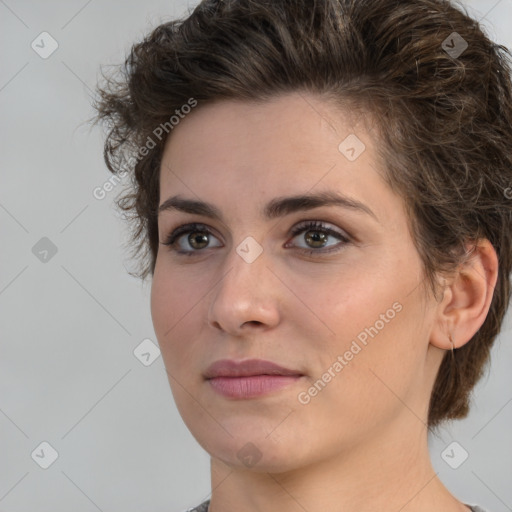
302,227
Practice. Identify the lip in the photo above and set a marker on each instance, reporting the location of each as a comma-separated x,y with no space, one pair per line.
251,387
247,368
250,378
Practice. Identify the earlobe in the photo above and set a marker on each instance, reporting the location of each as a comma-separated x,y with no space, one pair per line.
467,298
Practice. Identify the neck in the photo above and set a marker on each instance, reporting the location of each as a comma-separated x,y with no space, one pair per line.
392,472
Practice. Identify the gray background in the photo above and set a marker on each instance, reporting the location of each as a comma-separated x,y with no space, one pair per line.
70,324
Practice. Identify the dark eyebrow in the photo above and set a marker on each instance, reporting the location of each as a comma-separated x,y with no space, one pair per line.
278,207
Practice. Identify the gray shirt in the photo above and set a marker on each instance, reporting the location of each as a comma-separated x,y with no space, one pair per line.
203,507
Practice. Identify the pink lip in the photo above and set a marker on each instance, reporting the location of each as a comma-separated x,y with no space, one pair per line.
247,368
251,387
250,378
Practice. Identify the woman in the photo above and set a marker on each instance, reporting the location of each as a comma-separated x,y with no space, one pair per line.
320,198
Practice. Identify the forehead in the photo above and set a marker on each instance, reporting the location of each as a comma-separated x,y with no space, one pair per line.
242,152
290,129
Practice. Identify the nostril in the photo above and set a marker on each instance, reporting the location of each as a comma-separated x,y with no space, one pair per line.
216,325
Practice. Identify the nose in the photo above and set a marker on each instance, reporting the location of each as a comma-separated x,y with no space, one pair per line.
246,297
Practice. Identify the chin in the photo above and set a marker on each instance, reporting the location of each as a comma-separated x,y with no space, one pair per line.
249,448
258,459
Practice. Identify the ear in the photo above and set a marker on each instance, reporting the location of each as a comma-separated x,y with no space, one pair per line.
467,298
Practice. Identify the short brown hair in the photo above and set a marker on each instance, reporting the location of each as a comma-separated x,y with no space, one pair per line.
440,89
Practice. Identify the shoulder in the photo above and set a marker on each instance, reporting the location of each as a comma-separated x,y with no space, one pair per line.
203,507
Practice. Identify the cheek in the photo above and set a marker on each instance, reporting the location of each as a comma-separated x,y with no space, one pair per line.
170,301
178,314
375,298
376,316
160,305
175,307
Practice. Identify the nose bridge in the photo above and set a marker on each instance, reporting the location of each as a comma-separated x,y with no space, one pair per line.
246,268
244,293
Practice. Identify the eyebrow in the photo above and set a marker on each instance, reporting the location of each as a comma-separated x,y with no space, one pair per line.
278,207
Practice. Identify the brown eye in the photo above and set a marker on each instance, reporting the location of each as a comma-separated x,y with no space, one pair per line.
198,240
316,236
199,236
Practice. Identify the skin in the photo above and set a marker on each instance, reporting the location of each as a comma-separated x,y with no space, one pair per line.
361,442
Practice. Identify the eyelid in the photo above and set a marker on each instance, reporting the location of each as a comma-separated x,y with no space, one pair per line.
322,226
318,224
303,226
184,229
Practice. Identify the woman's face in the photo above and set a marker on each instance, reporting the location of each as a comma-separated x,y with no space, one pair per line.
344,308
